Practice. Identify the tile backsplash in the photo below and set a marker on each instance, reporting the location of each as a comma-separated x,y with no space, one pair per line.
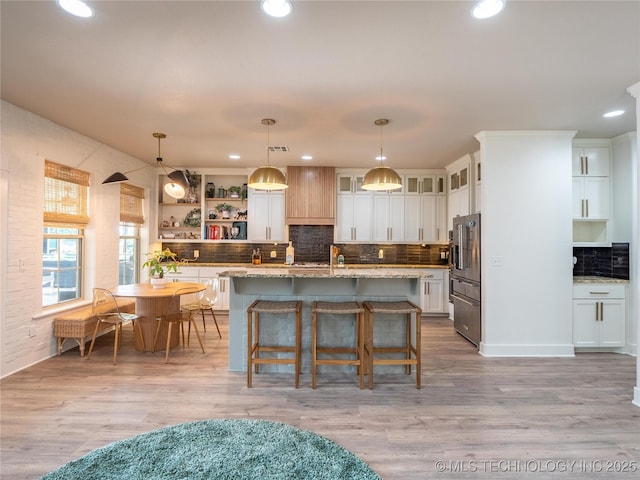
312,244
612,262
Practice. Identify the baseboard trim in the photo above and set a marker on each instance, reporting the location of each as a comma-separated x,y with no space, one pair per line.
493,350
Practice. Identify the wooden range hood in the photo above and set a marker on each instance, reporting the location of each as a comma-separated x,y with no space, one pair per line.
311,196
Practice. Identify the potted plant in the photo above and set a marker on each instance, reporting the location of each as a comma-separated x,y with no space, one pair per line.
158,262
234,192
225,209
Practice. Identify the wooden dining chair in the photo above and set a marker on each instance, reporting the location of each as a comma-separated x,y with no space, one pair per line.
206,301
106,310
174,315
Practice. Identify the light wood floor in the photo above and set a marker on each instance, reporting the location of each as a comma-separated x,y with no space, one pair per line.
473,413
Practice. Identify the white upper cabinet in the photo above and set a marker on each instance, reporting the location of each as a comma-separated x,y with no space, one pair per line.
353,218
590,161
388,217
268,216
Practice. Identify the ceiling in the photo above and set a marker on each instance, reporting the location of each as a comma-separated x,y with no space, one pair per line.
206,72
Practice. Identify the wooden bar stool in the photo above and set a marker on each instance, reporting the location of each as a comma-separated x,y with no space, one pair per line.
338,308
254,348
394,308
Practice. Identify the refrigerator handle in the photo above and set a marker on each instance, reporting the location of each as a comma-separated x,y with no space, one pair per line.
460,247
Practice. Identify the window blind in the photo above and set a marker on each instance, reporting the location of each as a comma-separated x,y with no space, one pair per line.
131,204
66,192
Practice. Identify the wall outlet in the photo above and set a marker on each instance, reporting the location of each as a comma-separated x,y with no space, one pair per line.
196,254
381,254
273,254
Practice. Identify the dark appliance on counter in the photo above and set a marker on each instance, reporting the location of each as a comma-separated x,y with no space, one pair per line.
239,230
465,285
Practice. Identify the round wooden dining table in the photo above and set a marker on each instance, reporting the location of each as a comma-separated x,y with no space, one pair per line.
152,302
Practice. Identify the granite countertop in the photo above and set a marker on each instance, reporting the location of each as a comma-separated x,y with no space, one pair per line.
592,279
349,266
305,272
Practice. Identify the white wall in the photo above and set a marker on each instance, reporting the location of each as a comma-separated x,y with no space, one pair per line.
26,332
634,249
623,180
526,223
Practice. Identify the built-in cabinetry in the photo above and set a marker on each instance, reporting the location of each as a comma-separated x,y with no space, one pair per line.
388,217
353,208
214,209
591,193
267,210
414,214
434,286
477,176
425,208
459,193
599,312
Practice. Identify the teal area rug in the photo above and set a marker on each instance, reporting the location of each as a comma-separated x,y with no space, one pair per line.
220,449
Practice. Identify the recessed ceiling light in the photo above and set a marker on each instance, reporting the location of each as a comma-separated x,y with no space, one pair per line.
234,156
613,113
76,7
488,8
306,157
276,8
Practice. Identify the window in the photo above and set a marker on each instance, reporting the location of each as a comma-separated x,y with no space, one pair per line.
131,218
129,253
65,217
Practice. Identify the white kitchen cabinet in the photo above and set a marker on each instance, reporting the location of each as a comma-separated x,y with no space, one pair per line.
591,198
477,174
421,215
388,217
420,184
267,210
350,182
591,195
433,292
590,160
599,312
459,192
354,213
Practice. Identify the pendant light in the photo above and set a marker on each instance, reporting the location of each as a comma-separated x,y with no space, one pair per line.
381,178
267,177
177,185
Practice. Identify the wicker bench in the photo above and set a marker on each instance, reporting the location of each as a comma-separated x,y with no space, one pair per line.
78,324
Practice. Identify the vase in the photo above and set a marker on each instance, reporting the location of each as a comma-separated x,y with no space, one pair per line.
158,282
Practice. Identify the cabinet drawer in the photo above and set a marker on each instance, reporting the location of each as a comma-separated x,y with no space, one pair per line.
598,290
435,274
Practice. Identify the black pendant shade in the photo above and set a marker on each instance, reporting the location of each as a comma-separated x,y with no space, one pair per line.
116,178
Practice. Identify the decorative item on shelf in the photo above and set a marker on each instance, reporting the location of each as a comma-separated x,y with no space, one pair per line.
194,186
211,190
225,210
234,191
222,192
244,192
212,215
241,215
159,262
193,218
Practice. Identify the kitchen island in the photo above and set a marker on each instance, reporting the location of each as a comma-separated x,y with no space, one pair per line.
308,285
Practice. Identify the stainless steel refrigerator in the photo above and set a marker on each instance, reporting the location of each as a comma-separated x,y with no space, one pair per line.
465,277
